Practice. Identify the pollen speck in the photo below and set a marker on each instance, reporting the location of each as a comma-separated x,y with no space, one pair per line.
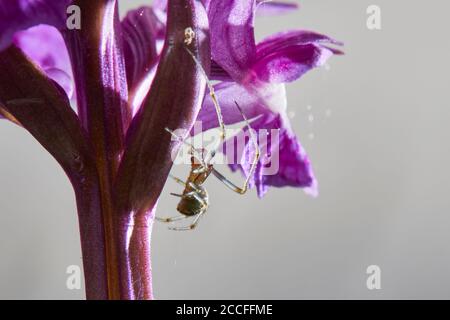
189,36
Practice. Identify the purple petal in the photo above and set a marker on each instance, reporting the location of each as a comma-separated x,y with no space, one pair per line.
232,35
45,46
268,7
290,64
160,5
283,160
63,79
218,73
141,29
16,15
286,39
285,57
228,94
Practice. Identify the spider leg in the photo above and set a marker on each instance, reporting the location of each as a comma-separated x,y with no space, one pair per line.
178,180
191,226
176,195
184,184
181,217
198,197
215,101
193,194
201,169
228,183
171,219
212,154
178,218
190,145
223,134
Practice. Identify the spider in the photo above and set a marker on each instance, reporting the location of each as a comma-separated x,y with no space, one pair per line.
194,199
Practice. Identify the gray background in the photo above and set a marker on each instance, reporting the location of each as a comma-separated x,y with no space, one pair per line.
380,151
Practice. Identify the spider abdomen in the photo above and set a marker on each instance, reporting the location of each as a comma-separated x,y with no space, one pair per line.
193,204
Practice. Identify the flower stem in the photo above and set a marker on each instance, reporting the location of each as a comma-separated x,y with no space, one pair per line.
127,195
92,240
102,106
139,254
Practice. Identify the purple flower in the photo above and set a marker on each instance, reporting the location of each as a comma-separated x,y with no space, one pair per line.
254,75
128,81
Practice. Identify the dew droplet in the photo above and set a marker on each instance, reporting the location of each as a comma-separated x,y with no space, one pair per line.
309,107
291,114
311,136
328,113
311,118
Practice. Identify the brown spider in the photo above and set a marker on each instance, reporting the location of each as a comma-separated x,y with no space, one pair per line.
194,199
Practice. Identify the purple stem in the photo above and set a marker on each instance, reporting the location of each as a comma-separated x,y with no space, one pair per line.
115,204
101,84
173,101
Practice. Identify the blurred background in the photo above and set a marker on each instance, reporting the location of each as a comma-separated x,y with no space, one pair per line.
375,125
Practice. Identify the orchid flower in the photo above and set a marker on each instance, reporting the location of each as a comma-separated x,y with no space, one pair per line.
98,99
255,75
